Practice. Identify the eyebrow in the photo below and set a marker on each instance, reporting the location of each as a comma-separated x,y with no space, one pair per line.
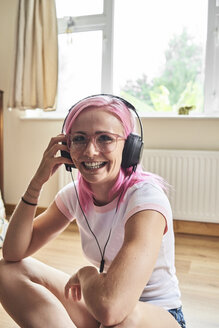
97,132
81,132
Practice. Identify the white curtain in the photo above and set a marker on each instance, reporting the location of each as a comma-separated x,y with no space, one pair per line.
34,82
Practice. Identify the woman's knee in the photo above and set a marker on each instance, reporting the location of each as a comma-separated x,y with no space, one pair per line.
10,272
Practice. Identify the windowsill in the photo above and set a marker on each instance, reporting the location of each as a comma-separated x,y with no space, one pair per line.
55,116
181,116
42,116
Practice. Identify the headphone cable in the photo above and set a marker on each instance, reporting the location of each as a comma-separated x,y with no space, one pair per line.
102,253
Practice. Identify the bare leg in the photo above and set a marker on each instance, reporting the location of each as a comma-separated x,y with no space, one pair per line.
146,315
33,295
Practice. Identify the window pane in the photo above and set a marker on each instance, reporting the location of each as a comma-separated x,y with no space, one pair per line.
159,53
67,8
80,60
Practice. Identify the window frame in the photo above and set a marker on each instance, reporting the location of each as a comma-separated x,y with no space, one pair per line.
105,23
100,22
211,83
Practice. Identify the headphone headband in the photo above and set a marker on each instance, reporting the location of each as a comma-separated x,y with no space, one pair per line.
130,106
124,101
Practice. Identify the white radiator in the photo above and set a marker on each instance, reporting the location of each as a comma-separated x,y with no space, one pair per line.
192,175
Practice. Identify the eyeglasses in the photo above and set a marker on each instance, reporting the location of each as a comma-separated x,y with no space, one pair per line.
105,141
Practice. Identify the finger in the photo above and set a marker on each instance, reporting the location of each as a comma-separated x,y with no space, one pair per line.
55,140
67,288
50,165
59,138
57,161
66,292
79,293
74,293
54,149
55,168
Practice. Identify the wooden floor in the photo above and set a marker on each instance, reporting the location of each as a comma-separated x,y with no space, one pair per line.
197,263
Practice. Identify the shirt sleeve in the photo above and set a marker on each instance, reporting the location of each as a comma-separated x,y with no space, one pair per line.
65,201
149,197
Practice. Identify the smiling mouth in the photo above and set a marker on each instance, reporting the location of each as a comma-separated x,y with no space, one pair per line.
93,165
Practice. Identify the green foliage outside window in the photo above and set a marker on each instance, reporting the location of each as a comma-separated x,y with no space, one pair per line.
179,84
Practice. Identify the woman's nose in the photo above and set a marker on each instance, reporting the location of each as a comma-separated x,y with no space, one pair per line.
91,149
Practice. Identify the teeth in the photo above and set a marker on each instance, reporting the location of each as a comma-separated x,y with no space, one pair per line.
94,165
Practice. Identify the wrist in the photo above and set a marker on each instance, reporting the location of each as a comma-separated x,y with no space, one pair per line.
33,191
28,203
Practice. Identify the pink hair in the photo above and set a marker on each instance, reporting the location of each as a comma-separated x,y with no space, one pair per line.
126,177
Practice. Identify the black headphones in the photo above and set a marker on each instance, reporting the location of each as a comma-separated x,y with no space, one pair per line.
133,147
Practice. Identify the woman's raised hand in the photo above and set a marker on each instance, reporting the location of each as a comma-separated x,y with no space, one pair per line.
52,159
50,162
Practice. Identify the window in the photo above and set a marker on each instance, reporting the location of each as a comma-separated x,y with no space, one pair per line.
85,49
152,53
159,54
79,66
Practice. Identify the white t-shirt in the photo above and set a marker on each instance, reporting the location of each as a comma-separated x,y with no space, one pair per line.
162,288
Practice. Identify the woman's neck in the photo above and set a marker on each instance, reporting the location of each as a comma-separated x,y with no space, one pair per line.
101,194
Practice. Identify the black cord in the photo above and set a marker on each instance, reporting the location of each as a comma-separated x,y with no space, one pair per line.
101,253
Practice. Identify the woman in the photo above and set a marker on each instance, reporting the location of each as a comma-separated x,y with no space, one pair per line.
125,223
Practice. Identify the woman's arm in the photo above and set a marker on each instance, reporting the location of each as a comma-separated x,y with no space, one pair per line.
21,243
25,234
112,296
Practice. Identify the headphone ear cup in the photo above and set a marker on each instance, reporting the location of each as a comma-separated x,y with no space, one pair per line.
67,155
132,151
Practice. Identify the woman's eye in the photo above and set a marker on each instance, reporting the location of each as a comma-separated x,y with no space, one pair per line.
78,139
105,138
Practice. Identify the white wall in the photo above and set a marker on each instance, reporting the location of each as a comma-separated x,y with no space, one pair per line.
25,141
